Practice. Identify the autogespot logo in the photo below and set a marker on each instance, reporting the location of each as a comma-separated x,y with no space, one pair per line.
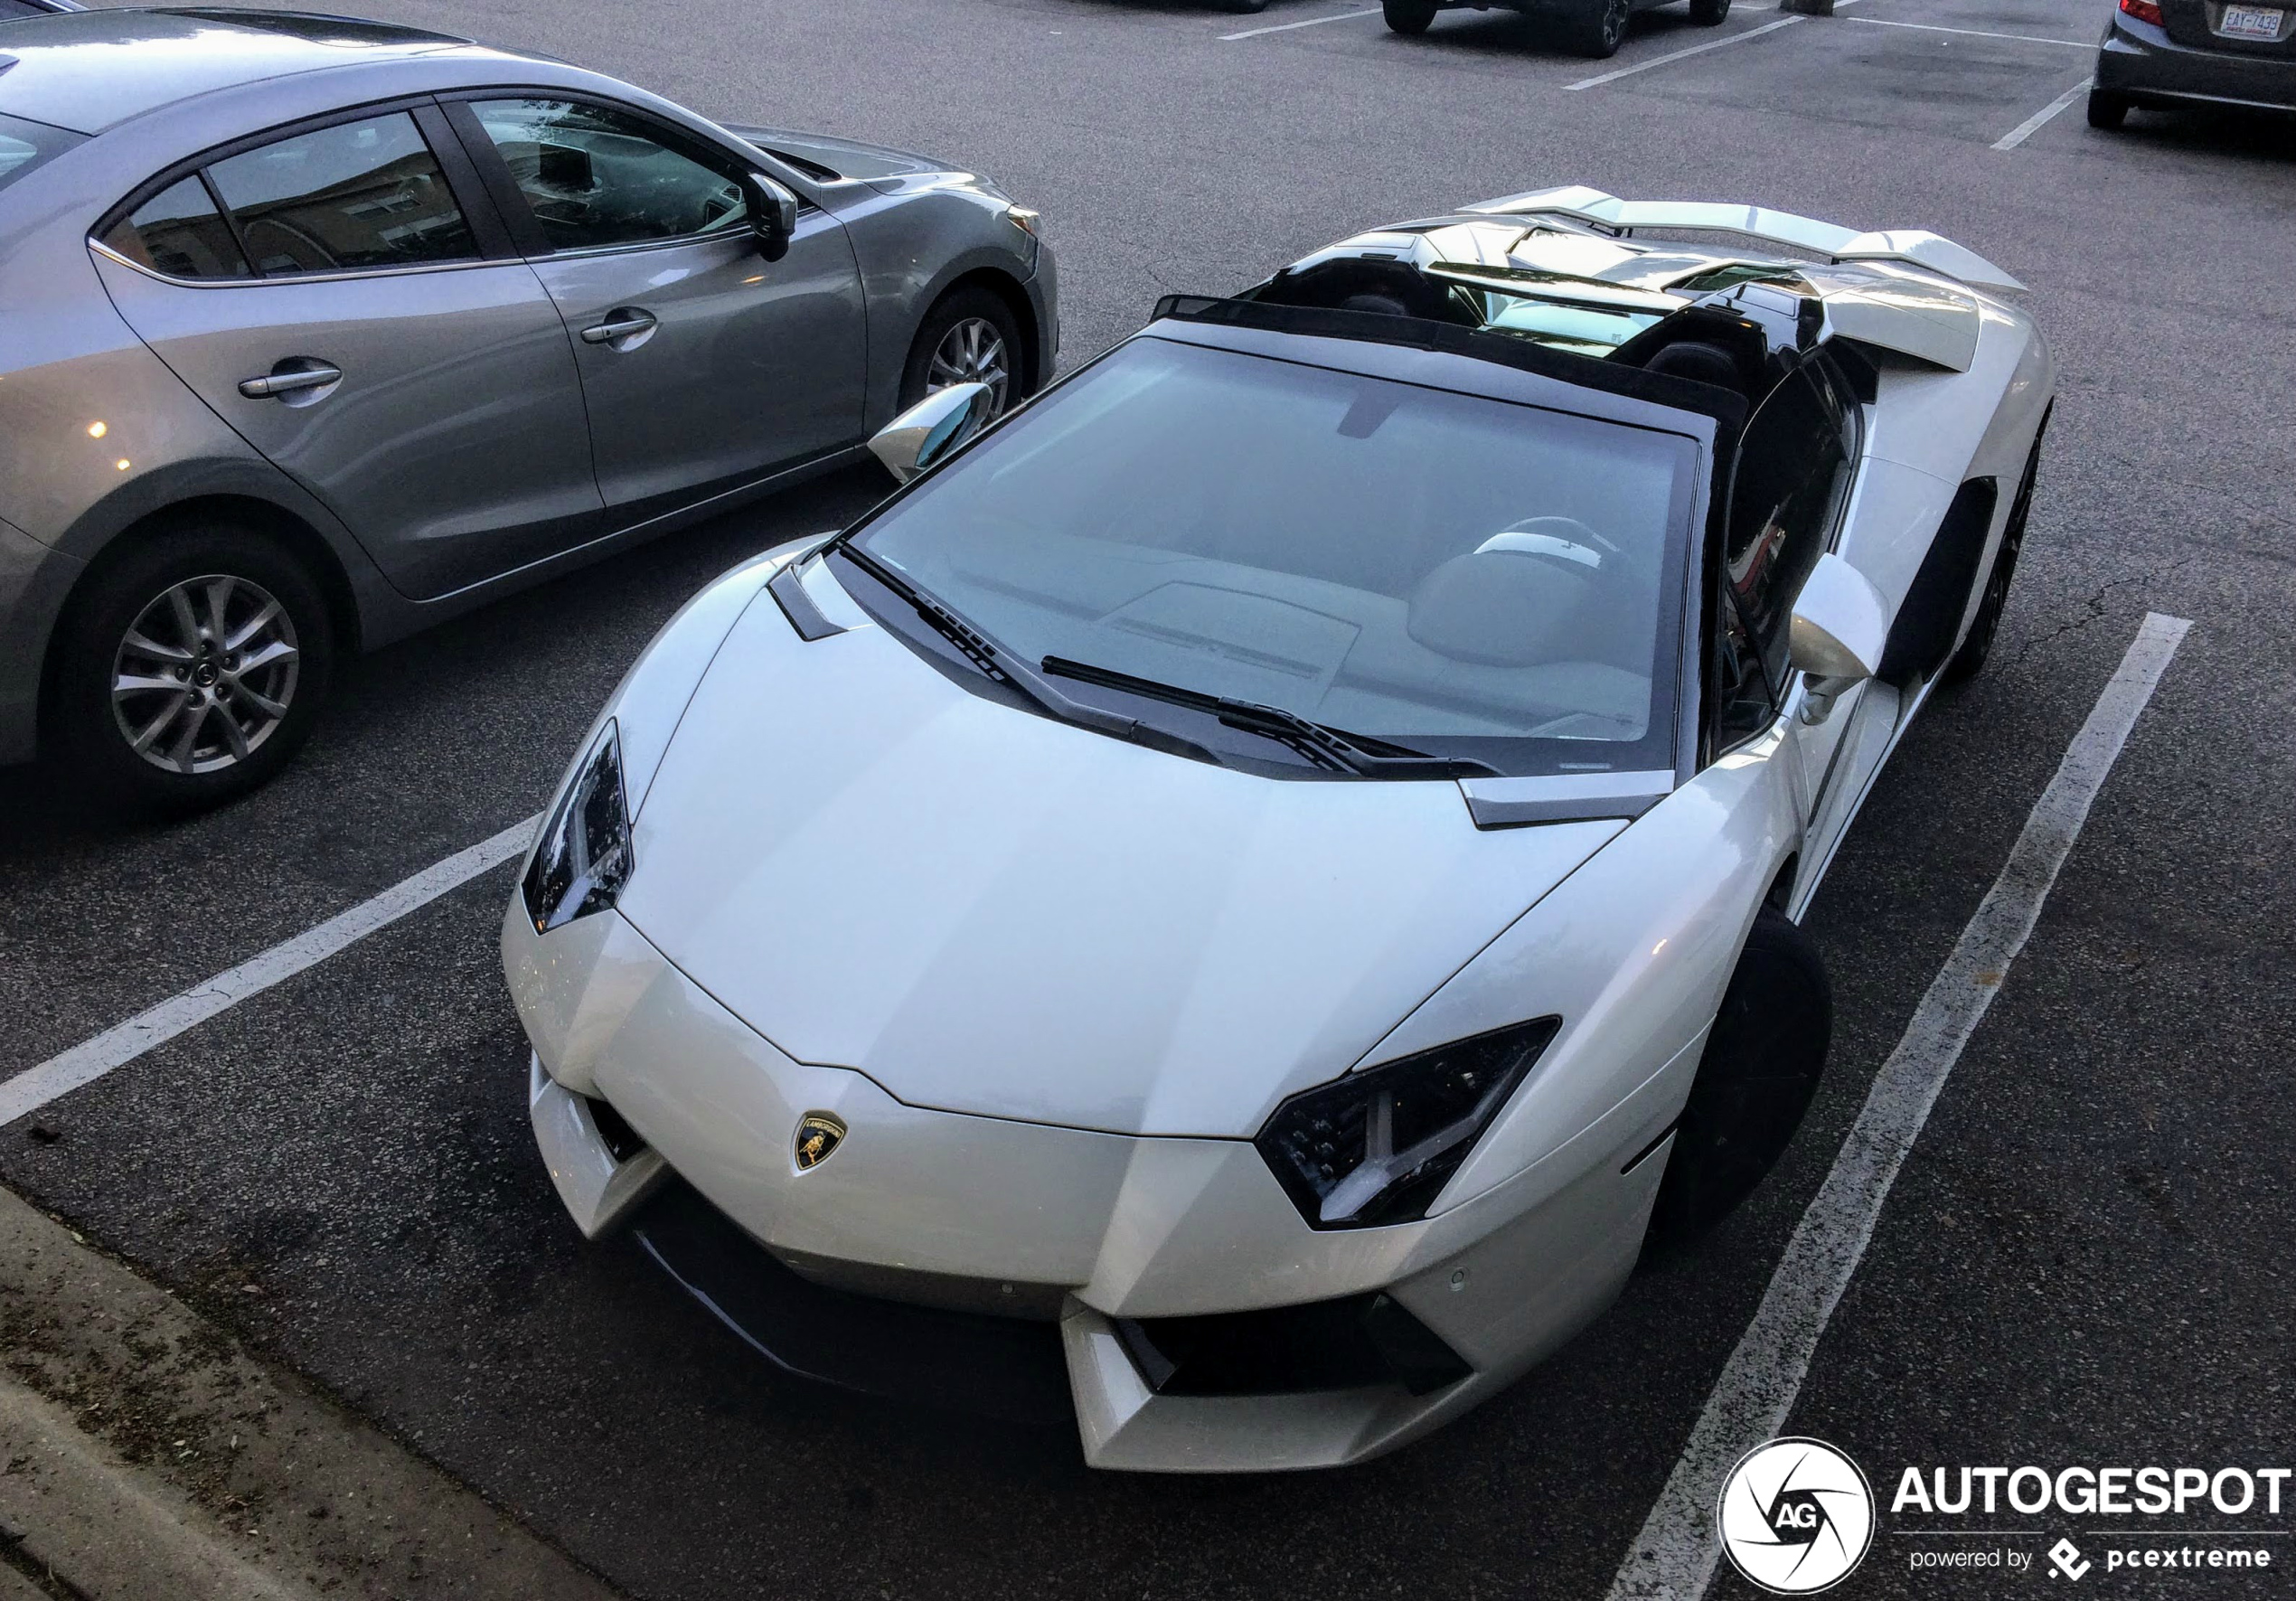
1796,1516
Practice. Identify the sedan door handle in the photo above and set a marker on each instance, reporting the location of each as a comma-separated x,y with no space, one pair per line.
623,322
291,377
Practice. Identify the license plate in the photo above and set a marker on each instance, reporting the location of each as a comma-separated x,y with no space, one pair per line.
2251,21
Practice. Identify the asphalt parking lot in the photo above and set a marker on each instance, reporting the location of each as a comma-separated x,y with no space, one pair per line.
2085,1258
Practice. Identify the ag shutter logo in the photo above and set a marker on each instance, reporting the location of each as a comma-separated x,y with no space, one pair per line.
1796,1516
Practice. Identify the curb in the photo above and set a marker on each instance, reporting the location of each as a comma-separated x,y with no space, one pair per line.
145,1453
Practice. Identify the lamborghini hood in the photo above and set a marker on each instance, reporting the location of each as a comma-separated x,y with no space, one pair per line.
988,912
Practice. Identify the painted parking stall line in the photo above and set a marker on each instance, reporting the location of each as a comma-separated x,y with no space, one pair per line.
2033,124
116,1047
1684,54
1312,22
1673,1557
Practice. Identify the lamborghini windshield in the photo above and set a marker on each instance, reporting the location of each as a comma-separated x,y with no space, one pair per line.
1451,575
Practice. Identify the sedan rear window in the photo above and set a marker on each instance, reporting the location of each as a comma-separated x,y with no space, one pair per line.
24,145
179,232
1462,576
355,196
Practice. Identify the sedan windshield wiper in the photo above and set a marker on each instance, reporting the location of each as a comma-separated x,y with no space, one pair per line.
1002,666
1319,744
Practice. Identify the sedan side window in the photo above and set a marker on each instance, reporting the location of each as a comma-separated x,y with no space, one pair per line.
597,177
179,232
1791,472
355,196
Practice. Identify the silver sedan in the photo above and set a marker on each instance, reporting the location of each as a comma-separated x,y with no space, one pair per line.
323,331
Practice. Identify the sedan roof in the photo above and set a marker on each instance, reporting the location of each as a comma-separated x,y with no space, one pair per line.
87,71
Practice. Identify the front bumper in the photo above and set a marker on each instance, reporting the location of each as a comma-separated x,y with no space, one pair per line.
2140,61
1133,1247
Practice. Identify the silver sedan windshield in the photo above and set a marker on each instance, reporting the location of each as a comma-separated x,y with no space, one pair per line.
1462,576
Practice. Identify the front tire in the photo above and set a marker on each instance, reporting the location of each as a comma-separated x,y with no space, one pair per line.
1755,1080
1597,28
1408,17
969,337
2107,110
191,668
1709,13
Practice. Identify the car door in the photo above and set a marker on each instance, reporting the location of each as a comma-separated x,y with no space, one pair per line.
705,365
361,319
1792,479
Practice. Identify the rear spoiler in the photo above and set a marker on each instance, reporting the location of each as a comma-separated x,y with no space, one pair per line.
1829,239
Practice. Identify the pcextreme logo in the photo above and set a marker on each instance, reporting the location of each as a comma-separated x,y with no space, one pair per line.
1796,1516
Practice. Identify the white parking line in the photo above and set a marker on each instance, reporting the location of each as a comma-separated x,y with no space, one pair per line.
85,1063
1310,23
2032,124
1676,55
1883,22
1674,1556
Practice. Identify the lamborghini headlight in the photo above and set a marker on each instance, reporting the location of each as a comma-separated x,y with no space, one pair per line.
584,857
1378,1146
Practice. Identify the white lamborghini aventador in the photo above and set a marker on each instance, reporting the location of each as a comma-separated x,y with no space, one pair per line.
1272,870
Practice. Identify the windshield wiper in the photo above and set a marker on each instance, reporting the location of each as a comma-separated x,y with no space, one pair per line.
1002,666
1319,744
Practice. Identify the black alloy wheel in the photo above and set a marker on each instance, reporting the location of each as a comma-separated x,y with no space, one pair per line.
190,668
1756,1078
1596,28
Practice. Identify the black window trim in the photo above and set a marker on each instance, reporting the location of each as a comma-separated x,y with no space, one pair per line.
526,228
1840,392
487,230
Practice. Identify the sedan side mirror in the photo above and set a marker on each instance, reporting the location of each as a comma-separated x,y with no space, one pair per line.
773,214
933,428
1840,628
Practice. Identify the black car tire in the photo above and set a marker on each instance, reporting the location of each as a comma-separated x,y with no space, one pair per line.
1247,7
1596,28
1966,662
1408,16
2106,110
954,310
93,648
1709,13
1755,1080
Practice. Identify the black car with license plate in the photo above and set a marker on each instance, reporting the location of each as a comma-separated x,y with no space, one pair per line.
2161,53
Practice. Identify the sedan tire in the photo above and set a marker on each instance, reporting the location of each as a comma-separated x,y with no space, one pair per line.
2106,110
1709,13
1408,16
191,668
1755,1081
970,336
1596,28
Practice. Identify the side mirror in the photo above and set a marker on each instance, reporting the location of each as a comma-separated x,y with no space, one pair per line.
933,428
1840,627
773,214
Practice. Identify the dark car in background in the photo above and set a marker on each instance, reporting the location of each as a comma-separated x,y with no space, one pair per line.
2162,53
320,331
1588,27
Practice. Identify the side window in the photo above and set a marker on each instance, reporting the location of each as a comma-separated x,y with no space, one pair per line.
1791,472
357,195
179,232
594,176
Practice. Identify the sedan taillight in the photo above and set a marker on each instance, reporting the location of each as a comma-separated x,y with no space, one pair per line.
2144,10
